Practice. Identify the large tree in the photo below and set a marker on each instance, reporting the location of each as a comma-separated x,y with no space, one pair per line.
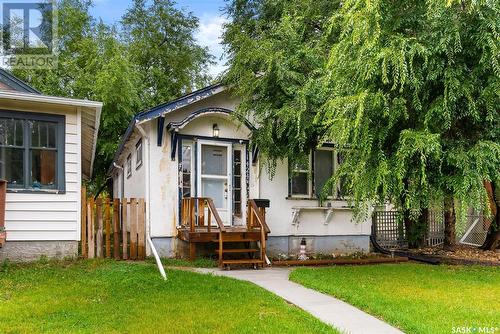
92,64
127,74
408,90
160,41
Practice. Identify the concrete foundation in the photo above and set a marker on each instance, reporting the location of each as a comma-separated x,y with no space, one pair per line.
318,244
277,245
24,251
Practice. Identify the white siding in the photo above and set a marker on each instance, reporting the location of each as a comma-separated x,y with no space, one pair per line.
42,216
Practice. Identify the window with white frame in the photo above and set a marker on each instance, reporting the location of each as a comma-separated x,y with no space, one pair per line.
129,165
313,178
300,183
138,154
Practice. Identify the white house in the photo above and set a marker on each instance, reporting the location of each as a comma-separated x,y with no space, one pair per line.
193,147
47,146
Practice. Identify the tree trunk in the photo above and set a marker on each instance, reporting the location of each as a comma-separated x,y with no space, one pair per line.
492,241
416,230
449,223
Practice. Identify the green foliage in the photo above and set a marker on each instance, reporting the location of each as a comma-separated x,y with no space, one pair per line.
122,68
277,55
409,91
160,41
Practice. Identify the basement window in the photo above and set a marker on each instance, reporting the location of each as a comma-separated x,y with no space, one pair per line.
32,151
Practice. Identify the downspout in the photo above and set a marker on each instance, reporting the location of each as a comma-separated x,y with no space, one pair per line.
148,204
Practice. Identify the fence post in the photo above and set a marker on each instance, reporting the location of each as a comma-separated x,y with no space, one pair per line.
124,228
133,229
141,253
99,240
116,228
90,228
83,218
107,218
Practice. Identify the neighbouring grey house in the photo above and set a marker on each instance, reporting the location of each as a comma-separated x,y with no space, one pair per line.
47,146
193,148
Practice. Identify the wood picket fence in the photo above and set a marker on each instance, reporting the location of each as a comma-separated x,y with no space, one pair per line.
113,228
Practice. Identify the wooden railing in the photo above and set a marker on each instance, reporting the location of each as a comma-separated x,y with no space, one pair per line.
193,214
256,218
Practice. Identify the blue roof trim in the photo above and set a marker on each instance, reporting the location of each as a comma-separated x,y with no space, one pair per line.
15,83
179,102
162,109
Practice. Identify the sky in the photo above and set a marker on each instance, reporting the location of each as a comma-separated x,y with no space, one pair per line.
208,11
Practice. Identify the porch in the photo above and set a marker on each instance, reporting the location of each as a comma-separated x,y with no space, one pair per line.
245,245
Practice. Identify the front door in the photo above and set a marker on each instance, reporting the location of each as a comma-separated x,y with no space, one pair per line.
214,176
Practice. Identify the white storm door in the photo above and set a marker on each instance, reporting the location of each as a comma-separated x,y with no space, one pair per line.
215,176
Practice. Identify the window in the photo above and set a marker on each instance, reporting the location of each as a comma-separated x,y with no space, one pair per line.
299,180
138,154
32,151
237,183
323,171
312,179
186,165
129,166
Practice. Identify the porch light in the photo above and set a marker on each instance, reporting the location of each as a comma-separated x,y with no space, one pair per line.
215,129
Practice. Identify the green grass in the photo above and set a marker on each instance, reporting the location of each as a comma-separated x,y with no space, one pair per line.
417,298
200,262
120,297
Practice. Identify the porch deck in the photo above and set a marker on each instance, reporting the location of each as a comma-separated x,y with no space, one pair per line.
197,226
201,235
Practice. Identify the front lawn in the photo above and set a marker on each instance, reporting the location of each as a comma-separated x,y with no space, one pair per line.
120,297
417,298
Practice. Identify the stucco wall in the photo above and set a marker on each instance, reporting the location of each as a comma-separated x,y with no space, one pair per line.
311,222
340,233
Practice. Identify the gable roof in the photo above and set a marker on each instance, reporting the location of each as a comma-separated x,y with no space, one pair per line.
163,109
15,83
180,102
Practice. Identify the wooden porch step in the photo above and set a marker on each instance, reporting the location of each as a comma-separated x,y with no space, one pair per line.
236,239
243,261
239,250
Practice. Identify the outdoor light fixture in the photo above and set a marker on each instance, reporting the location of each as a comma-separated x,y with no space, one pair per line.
215,131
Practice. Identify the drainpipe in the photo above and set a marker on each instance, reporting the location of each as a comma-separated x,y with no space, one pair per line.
148,203
122,181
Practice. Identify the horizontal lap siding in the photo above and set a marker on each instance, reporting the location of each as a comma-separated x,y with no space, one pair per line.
42,216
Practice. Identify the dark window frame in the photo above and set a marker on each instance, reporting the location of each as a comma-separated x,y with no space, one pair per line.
313,192
128,166
60,170
138,157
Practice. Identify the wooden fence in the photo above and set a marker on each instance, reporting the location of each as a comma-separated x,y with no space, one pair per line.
113,228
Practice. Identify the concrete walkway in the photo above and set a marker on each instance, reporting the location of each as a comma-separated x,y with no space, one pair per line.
332,311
